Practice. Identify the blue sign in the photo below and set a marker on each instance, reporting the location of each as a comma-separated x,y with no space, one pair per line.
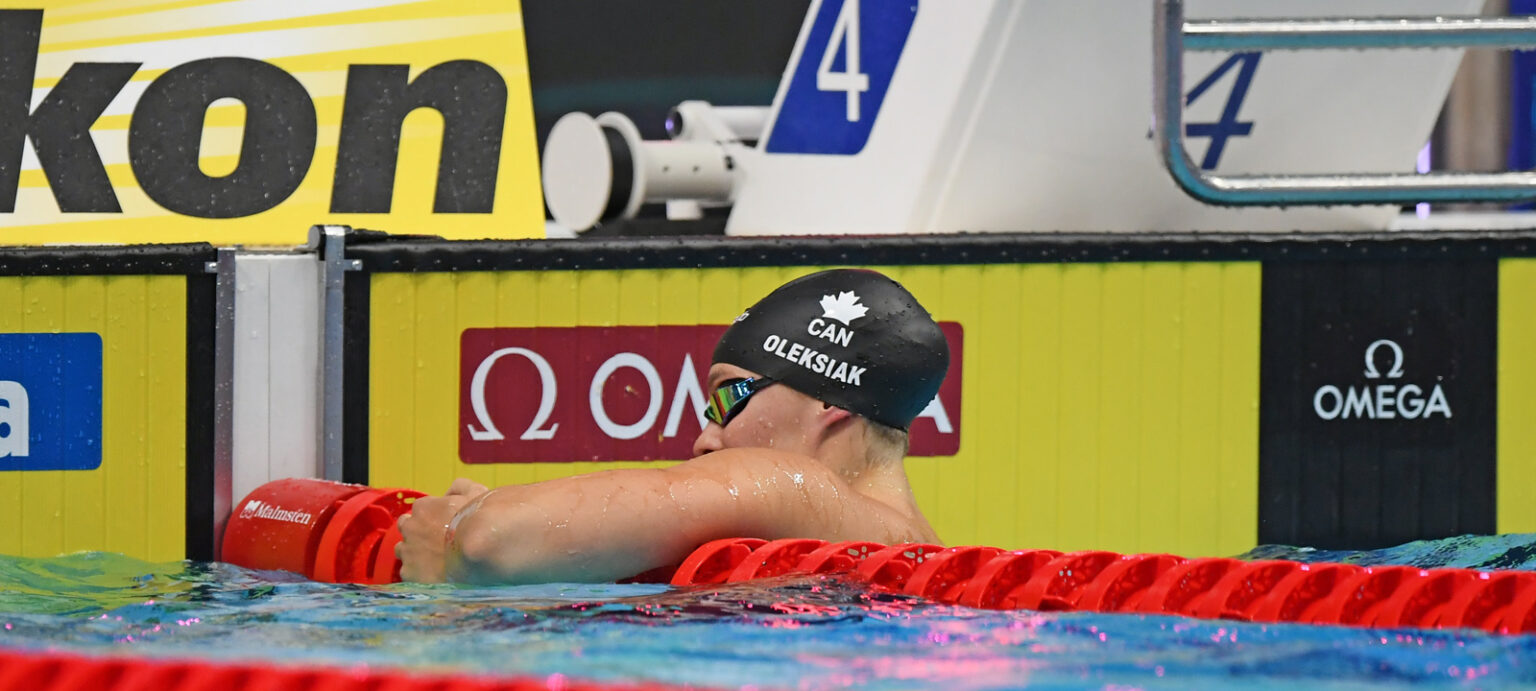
50,401
845,68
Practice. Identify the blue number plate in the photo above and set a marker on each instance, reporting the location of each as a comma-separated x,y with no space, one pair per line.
845,68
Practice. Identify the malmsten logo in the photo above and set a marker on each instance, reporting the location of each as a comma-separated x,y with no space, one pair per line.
256,508
166,129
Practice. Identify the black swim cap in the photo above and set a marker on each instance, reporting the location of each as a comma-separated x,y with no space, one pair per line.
853,338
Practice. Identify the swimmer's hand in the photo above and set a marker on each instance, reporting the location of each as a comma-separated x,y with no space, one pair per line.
428,528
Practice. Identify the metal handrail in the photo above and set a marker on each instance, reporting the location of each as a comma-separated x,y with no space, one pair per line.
1172,35
1369,32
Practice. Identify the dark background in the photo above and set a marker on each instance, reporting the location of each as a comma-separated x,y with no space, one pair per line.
641,57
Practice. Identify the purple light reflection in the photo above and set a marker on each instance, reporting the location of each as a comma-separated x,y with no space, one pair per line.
1422,209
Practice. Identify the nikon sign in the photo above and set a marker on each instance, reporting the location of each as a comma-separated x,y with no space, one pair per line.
257,121
1377,399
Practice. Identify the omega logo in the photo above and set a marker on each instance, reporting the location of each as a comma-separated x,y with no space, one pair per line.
687,391
1381,401
605,393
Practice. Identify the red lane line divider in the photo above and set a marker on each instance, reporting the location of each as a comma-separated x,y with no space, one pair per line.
347,533
996,578
36,670
893,566
1262,591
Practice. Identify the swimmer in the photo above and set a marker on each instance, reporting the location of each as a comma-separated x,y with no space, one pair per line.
811,393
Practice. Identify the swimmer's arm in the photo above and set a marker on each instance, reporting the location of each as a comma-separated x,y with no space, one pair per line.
615,524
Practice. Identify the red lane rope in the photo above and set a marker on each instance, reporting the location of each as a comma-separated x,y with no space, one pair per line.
50,671
1501,602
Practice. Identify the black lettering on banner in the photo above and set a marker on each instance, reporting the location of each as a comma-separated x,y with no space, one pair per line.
472,98
60,126
165,137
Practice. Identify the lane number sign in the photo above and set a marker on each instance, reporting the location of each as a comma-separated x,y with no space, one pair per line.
846,65
1228,125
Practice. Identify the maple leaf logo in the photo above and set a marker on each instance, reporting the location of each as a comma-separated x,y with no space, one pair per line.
844,308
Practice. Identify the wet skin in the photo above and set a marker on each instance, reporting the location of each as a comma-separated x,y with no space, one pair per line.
786,466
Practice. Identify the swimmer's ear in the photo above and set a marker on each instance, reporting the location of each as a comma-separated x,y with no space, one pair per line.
831,414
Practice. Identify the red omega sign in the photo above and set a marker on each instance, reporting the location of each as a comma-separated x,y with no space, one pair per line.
610,393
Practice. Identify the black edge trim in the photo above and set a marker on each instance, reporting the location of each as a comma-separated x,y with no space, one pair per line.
356,295
1498,366
623,163
107,260
420,254
201,316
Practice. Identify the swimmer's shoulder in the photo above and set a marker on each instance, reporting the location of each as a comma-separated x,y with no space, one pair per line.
754,463
879,518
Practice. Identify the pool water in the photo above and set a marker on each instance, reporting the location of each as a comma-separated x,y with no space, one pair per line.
792,633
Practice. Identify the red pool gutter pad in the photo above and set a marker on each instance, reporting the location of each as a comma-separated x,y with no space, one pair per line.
1502,602
51,671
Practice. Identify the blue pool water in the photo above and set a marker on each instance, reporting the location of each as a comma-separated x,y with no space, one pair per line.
797,633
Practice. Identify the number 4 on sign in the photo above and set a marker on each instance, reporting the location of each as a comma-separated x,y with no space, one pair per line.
1228,125
845,34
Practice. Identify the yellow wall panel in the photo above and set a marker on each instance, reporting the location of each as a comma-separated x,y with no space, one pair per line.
1077,468
165,444
1237,492
42,492
719,298
135,502
1038,439
1105,406
11,311
83,519
392,396
1161,373
124,425
958,482
1516,442
1199,410
474,303
996,490
1119,495
436,362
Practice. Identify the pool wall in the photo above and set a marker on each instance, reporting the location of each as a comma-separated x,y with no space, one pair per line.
1191,394
114,349
1194,394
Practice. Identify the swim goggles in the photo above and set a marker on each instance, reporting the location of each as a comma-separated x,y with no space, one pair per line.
727,401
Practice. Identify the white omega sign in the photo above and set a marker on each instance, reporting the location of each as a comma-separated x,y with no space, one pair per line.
688,395
536,430
1381,401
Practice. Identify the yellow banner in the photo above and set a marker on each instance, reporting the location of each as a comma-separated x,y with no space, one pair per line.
1104,406
134,501
1516,499
248,121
